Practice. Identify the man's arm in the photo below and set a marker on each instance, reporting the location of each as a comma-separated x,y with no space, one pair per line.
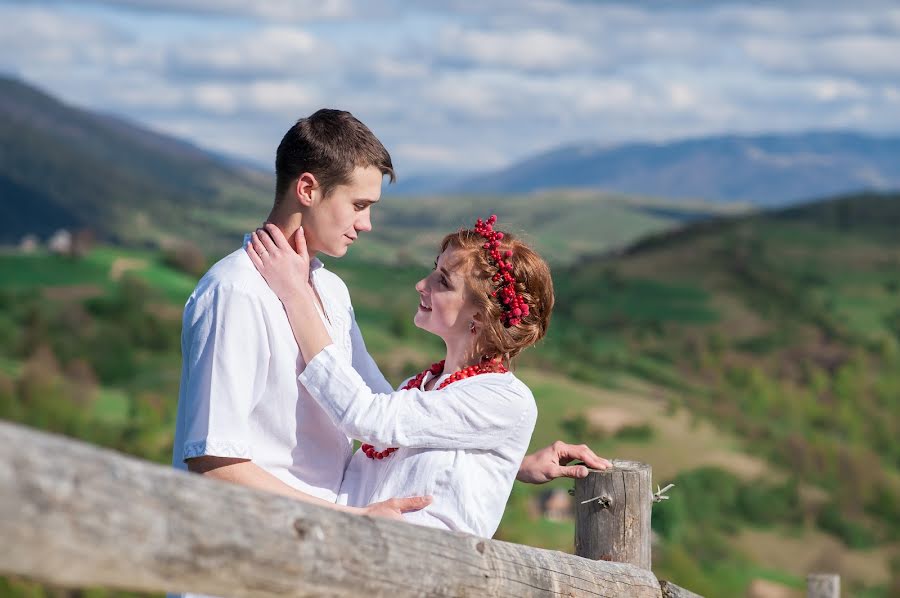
247,473
364,364
219,396
553,461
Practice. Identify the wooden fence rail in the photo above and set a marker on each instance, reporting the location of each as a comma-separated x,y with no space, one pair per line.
75,515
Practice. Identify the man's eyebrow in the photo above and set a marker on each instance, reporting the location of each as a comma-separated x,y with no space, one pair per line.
367,201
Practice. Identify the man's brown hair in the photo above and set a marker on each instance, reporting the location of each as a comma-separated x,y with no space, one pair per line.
329,144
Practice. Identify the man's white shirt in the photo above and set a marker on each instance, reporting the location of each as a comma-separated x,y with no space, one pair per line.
239,394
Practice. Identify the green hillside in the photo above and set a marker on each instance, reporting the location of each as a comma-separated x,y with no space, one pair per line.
781,328
754,361
62,166
563,225
65,167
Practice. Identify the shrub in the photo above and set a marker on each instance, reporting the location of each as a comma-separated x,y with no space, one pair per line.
852,533
185,257
636,433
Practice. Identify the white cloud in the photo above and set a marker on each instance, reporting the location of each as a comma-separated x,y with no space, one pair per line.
276,50
216,98
465,83
470,97
597,97
268,10
282,97
858,55
392,68
440,156
530,49
38,37
830,89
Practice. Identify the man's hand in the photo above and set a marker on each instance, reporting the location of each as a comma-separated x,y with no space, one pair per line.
395,507
553,462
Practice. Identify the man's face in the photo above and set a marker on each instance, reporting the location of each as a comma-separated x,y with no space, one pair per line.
332,223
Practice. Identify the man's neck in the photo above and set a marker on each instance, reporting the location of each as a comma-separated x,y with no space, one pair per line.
288,223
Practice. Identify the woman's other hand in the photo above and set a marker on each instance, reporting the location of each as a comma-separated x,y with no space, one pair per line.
553,461
286,270
395,507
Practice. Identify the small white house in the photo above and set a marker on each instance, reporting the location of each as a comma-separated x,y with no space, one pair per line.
29,244
61,242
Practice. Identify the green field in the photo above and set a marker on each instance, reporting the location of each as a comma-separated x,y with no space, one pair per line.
562,226
755,361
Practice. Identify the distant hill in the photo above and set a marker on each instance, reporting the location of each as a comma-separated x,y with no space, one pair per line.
62,166
783,328
767,170
562,225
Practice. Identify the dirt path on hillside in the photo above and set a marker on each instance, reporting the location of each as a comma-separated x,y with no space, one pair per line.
121,265
814,550
72,292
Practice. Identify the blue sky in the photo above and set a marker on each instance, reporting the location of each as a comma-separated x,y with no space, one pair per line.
463,85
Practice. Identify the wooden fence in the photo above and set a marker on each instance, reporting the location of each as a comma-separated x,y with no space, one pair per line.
75,515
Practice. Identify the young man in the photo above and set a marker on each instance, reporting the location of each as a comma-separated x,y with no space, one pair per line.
242,415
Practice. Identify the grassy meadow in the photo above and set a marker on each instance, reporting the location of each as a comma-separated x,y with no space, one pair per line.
753,360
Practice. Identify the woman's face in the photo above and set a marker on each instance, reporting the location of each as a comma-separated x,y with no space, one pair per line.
445,305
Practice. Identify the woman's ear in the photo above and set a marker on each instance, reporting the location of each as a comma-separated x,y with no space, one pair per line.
304,188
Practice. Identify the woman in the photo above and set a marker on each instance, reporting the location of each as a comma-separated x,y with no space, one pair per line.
459,429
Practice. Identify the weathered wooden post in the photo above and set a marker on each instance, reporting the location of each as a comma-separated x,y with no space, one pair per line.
823,585
612,514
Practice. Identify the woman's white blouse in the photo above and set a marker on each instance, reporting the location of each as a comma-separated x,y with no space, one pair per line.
463,444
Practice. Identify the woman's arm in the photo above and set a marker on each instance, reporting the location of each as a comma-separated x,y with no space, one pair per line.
478,416
287,273
484,413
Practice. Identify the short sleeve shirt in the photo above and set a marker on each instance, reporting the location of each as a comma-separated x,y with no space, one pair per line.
239,395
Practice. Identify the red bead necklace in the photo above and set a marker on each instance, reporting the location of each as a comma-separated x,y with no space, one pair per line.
488,366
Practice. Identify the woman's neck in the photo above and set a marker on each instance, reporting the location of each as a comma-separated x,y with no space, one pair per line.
459,357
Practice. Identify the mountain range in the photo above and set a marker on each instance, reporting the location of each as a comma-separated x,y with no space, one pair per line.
64,166
766,170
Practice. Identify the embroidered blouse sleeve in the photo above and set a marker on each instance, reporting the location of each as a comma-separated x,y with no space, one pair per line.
226,357
462,416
